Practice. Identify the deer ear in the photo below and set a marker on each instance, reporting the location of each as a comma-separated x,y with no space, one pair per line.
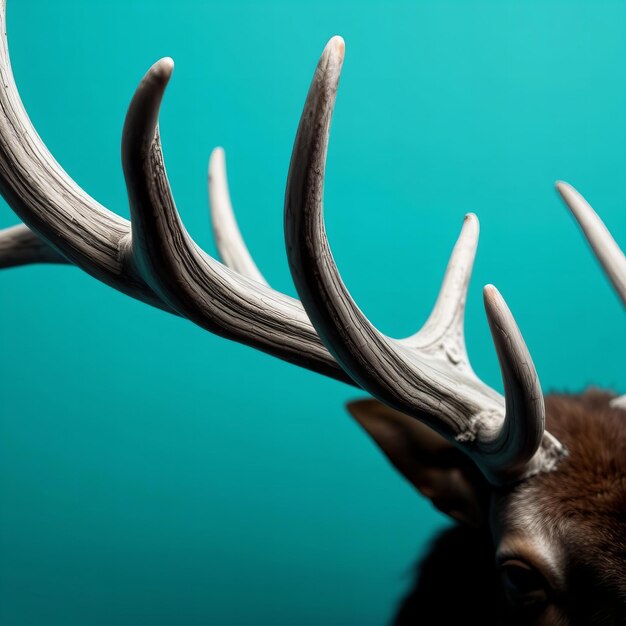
435,467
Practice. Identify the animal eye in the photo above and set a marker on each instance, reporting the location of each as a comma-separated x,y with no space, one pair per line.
524,586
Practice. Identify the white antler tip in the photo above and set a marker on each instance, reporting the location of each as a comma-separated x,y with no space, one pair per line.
163,68
471,222
337,47
561,185
566,190
490,290
216,161
494,303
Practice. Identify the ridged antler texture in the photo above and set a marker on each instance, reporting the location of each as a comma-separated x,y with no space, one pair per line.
153,258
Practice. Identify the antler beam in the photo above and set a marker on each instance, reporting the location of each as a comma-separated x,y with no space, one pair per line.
98,241
427,375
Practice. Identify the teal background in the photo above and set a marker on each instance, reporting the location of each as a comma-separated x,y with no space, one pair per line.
151,473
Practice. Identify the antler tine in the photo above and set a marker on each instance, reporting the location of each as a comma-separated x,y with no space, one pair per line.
452,400
20,246
443,331
602,243
191,282
230,243
523,430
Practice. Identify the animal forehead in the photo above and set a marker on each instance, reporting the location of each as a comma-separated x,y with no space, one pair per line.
591,481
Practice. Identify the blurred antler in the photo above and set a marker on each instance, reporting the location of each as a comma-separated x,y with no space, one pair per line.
602,243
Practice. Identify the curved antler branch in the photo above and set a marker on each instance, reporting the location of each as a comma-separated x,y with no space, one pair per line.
506,445
427,375
50,203
98,241
228,238
522,432
443,331
190,281
599,237
603,245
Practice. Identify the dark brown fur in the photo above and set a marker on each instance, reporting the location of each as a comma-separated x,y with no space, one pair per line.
582,507
584,500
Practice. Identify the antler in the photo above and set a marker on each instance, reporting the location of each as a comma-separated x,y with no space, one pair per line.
602,243
230,244
599,237
428,375
86,234
20,246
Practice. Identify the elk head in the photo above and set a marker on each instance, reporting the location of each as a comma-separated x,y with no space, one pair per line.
554,498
